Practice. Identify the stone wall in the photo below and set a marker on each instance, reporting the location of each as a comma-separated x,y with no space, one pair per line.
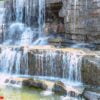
91,69
49,62
82,22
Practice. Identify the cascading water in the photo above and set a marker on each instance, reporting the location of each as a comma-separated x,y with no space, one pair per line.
73,63
24,26
41,19
20,31
59,64
11,61
2,11
26,22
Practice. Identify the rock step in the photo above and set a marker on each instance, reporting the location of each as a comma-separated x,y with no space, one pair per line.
55,86
90,68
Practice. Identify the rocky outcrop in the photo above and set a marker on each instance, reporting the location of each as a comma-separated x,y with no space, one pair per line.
92,95
60,88
91,69
42,60
53,62
28,82
64,89
35,84
81,20
57,87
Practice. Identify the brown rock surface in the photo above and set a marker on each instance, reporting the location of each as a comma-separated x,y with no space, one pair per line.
91,70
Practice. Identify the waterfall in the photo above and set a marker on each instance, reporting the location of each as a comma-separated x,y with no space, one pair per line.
24,22
24,26
2,11
19,10
74,67
41,19
59,65
13,61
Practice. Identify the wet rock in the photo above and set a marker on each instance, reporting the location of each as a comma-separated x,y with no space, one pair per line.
28,82
81,21
91,69
54,28
35,83
7,80
12,81
60,88
90,95
64,89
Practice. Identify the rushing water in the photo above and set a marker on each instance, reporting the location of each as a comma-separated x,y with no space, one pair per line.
11,60
59,64
24,24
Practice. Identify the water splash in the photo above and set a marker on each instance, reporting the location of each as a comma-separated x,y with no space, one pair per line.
25,22
11,61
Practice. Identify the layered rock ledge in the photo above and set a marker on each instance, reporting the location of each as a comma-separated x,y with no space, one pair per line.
42,61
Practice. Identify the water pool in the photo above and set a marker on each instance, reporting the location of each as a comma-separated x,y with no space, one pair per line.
10,93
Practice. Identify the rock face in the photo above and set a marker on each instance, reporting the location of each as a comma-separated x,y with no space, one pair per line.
35,84
50,62
89,95
42,61
61,88
53,62
82,20
91,70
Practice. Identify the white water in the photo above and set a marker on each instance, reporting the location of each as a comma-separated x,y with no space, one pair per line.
65,65
21,31
19,10
11,61
15,61
41,19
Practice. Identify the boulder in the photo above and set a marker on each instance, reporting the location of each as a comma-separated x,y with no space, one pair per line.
91,70
35,84
60,88
64,89
27,82
92,95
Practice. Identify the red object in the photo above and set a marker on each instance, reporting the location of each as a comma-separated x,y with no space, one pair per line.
1,98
